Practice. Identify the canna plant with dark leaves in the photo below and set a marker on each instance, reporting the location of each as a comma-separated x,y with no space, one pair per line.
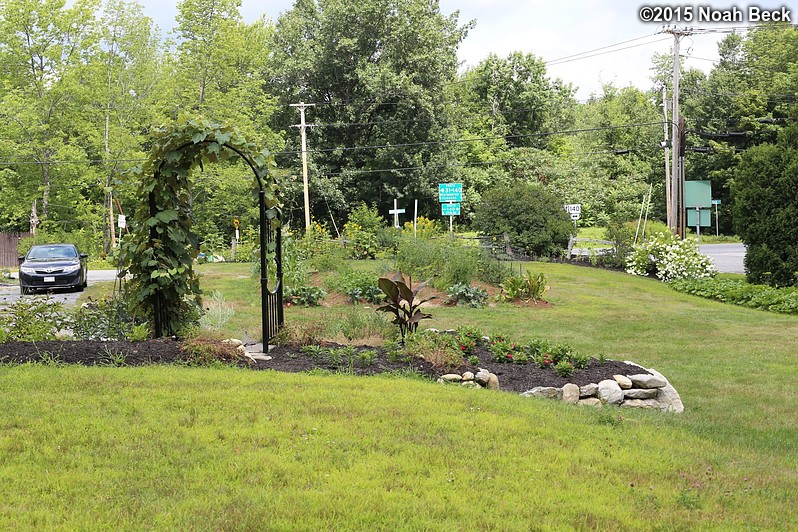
402,300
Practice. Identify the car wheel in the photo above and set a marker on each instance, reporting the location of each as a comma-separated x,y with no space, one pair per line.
80,287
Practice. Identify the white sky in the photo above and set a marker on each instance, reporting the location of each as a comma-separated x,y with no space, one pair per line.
551,30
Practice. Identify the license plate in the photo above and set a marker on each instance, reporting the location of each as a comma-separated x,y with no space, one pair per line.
49,279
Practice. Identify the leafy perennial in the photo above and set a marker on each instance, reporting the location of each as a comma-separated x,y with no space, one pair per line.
403,302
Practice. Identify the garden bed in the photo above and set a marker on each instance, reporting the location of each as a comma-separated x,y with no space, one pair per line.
512,377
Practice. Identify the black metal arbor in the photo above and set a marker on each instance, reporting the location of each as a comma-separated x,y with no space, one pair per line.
272,317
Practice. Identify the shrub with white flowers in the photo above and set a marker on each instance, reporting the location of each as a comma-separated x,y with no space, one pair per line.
670,258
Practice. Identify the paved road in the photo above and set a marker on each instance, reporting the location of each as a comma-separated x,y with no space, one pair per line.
728,257
10,293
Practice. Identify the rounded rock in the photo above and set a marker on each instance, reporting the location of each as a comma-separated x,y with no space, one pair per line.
610,392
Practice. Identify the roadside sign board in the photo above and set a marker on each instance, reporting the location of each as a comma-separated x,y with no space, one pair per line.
701,217
573,208
574,216
715,202
450,192
450,209
697,194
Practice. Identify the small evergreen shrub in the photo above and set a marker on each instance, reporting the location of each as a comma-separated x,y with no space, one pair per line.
564,368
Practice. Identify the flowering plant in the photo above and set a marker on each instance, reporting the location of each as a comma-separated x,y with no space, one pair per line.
502,349
467,339
670,258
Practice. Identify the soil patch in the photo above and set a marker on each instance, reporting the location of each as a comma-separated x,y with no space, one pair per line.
366,361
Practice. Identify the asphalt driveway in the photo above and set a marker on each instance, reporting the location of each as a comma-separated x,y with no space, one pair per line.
9,293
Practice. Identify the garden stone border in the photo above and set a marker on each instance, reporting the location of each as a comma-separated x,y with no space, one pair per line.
650,390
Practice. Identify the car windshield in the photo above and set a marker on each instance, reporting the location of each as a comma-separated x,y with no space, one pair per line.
52,252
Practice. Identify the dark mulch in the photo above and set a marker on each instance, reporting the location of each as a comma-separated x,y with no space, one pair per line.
512,377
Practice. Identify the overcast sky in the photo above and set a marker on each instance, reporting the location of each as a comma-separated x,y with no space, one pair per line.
550,30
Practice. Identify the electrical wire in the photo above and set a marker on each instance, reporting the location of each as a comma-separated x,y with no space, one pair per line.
560,62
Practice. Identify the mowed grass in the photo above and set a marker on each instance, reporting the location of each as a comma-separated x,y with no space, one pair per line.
173,447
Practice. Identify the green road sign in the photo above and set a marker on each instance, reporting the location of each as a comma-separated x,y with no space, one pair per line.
697,194
450,209
450,192
705,217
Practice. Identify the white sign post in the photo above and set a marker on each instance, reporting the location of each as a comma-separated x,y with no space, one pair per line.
575,210
716,202
396,212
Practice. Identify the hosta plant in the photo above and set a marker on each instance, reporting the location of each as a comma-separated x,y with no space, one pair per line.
403,301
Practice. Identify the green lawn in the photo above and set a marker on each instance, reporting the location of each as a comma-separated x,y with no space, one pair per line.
174,447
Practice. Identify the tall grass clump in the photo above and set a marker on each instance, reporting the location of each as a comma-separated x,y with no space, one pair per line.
442,262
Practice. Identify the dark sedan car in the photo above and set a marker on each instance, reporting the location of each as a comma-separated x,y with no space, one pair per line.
52,266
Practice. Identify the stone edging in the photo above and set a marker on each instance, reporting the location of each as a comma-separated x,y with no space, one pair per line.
650,391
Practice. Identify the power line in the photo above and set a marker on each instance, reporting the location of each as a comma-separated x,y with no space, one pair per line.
478,139
382,146
601,48
469,164
556,62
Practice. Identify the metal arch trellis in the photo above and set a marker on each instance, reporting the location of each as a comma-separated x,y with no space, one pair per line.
272,317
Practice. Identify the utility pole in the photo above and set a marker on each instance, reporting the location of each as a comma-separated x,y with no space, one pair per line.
677,218
303,135
666,145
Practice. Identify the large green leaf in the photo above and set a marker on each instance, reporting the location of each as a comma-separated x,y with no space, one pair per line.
167,216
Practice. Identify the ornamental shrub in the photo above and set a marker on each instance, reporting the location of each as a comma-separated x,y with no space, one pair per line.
668,257
765,210
532,217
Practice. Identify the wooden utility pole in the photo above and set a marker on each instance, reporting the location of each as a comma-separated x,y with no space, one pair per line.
303,135
675,179
677,219
666,145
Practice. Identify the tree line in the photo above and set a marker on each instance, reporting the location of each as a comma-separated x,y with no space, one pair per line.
393,115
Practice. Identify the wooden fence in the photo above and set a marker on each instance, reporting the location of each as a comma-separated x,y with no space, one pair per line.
8,248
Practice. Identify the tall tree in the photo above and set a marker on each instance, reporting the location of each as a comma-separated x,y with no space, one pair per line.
377,72
128,87
202,25
42,49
